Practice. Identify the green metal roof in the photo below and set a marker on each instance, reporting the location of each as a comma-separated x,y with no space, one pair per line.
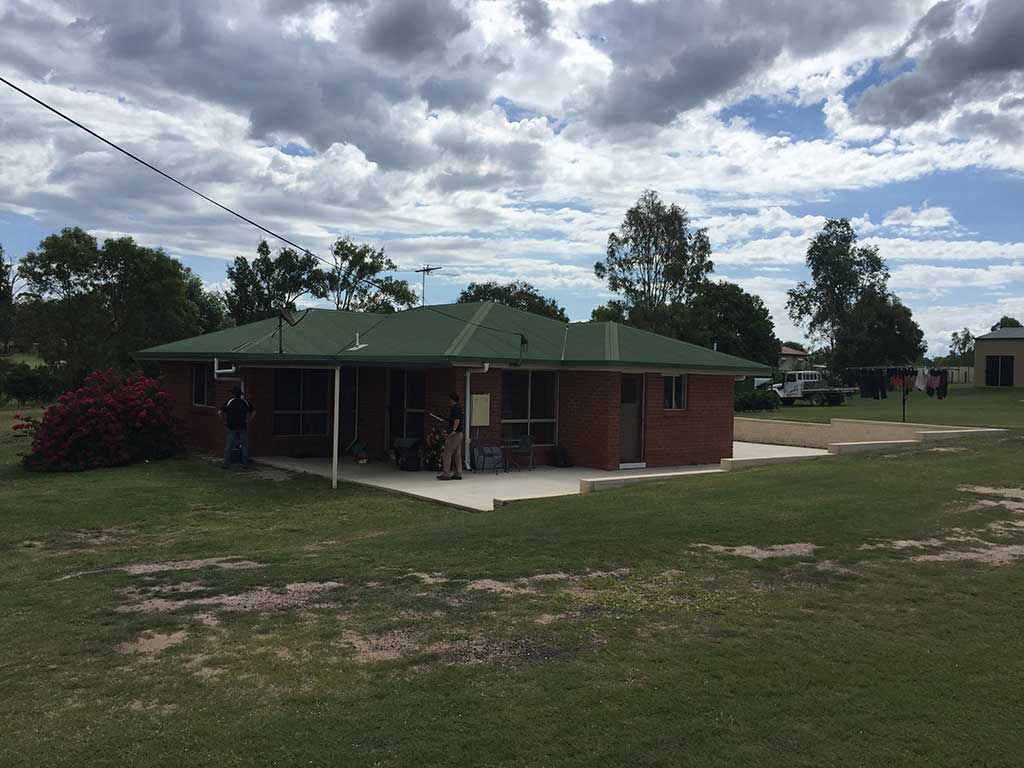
445,335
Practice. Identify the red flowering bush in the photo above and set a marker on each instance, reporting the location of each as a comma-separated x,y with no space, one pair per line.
112,419
433,447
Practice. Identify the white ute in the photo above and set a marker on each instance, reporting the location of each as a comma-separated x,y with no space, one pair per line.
808,385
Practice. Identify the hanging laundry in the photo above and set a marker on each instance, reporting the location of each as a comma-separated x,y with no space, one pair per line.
921,383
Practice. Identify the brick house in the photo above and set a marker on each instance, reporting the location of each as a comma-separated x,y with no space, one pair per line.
612,396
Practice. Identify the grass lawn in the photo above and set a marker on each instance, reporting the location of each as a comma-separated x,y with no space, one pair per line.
174,614
966,406
21,357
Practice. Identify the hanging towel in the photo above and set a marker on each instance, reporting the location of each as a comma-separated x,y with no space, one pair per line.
922,379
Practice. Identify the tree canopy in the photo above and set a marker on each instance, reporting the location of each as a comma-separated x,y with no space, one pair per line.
354,282
654,259
8,279
518,294
1006,322
261,287
841,272
880,331
847,306
723,314
93,306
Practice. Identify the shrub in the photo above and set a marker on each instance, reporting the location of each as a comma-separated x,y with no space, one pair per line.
109,421
758,400
433,447
26,384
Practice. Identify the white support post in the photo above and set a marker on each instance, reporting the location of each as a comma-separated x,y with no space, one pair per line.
337,421
466,406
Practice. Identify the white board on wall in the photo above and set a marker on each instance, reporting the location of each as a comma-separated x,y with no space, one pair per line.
480,411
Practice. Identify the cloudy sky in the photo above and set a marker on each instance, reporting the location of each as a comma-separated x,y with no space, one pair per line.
505,138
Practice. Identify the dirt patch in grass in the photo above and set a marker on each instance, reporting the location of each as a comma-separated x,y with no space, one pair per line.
526,585
199,668
259,600
271,474
982,551
517,652
319,546
500,587
799,549
993,554
153,708
150,643
140,569
385,647
1006,493
428,578
906,544
550,618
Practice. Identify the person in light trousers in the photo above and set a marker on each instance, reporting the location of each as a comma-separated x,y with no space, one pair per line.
451,455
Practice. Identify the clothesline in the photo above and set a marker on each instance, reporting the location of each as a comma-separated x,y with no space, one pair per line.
876,380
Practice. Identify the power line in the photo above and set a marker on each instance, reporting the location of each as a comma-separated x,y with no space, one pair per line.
223,207
153,168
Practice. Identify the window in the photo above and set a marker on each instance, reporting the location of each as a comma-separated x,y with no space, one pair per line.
204,386
529,405
675,392
415,402
407,405
300,401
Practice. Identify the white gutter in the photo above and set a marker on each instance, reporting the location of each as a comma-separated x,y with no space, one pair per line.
466,411
224,374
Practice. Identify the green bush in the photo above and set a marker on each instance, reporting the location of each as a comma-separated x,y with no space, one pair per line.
758,400
26,384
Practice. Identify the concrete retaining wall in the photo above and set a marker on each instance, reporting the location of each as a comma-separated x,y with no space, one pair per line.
845,432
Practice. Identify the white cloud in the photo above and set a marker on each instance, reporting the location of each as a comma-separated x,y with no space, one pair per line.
926,217
445,176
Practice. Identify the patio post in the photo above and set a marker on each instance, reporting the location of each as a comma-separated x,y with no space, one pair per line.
337,419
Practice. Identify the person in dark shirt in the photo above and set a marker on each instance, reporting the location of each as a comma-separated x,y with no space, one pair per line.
236,414
451,456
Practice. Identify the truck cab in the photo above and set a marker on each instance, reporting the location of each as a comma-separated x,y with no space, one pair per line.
810,386
795,384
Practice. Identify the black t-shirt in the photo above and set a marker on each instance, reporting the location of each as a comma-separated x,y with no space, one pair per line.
455,415
236,412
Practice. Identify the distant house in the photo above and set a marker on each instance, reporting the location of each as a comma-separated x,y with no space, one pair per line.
792,358
999,358
611,395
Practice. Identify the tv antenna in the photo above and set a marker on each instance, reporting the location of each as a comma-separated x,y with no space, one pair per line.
284,315
425,270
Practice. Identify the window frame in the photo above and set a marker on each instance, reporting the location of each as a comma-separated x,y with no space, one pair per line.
302,410
529,421
670,380
406,409
209,384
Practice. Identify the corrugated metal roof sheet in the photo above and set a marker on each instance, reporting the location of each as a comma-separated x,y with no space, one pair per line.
448,334
1003,333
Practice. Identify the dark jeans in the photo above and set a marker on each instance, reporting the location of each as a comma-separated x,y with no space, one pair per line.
241,437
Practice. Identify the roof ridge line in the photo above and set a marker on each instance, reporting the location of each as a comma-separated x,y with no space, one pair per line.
611,341
469,329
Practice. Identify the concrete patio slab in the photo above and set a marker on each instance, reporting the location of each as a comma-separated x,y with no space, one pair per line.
482,491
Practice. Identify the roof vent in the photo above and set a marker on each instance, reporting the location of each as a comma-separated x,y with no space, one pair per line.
357,346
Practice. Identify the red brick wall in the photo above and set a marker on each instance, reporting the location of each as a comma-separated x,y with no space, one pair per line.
700,434
588,417
205,430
